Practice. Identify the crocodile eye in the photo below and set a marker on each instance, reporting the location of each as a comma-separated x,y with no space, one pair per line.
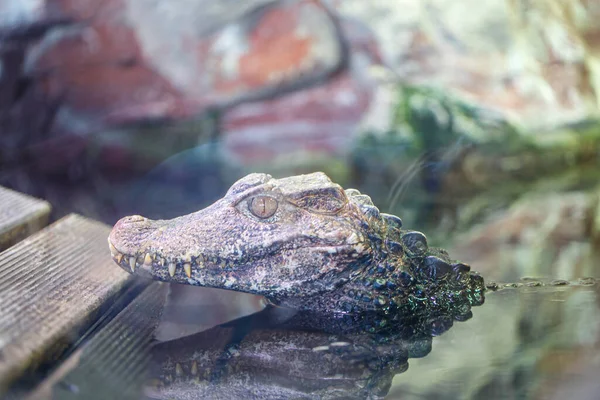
262,206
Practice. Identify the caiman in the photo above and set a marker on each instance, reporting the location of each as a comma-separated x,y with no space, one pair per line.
304,243
353,295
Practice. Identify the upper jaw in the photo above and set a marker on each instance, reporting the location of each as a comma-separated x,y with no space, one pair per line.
181,267
191,243
151,261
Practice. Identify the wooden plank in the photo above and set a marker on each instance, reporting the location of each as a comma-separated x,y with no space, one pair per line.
53,285
20,216
113,363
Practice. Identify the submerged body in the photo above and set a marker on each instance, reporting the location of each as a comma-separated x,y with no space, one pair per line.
303,242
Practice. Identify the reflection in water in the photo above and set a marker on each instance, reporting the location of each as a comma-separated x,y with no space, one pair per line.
283,353
530,342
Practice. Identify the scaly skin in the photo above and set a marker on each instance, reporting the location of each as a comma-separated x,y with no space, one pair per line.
323,249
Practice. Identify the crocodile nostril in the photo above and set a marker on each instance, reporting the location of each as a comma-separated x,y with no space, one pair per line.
129,234
130,222
134,218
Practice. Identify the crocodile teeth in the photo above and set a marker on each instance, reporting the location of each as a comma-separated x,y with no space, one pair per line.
112,248
187,267
119,258
194,368
148,259
132,263
172,269
339,344
178,370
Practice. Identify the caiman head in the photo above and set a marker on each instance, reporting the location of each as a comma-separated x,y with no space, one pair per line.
274,237
287,239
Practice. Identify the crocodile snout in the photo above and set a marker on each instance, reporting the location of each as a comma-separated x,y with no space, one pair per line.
128,236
